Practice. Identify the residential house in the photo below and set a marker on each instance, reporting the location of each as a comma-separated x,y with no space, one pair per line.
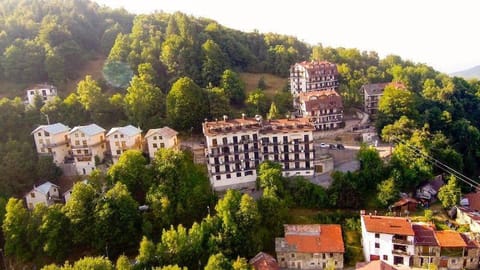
472,252
122,139
427,250
236,147
314,75
45,91
472,200
429,190
52,140
313,246
264,261
389,239
160,138
46,194
88,146
322,107
405,205
372,94
452,250
68,193
466,215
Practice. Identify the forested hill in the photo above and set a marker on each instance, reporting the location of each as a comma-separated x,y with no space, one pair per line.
48,40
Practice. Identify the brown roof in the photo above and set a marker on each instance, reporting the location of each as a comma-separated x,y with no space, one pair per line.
375,265
471,243
321,99
240,125
264,261
315,238
404,201
377,88
388,225
424,234
322,67
473,200
450,239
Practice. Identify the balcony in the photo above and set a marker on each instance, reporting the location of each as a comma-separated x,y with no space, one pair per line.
400,252
401,241
429,254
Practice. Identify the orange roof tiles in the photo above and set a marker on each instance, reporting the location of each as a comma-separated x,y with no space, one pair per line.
315,238
450,239
264,261
375,265
388,225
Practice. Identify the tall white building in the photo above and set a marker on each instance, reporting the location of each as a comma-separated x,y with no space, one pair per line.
235,148
122,139
160,138
314,75
52,140
45,91
390,239
87,143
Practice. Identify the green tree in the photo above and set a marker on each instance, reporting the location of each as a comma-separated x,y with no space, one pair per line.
15,230
56,231
218,103
394,103
450,193
131,170
262,85
241,264
428,215
284,102
273,112
146,253
257,103
387,192
233,86
214,62
186,105
218,261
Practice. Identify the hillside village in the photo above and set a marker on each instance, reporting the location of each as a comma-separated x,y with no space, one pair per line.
164,159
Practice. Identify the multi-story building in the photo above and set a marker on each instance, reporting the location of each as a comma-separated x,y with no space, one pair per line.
314,246
46,194
45,91
235,148
389,239
322,107
372,93
88,146
427,250
122,139
315,75
453,251
52,140
160,138
466,215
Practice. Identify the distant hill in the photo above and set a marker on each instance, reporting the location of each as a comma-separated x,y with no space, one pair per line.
471,73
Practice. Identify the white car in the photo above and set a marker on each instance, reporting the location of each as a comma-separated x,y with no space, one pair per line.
324,145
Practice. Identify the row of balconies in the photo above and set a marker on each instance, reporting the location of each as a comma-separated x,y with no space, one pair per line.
261,143
233,170
281,150
279,158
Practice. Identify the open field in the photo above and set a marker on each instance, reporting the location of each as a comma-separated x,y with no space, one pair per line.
274,83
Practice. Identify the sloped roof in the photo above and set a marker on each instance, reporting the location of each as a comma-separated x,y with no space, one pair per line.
45,187
471,243
53,128
126,130
321,99
404,201
164,132
264,261
377,88
424,235
473,200
388,225
375,265
450,239
89,130
315,238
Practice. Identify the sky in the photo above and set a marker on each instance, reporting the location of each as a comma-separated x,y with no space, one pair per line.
443,34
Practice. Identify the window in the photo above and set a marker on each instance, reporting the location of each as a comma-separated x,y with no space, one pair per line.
154,137
377,235
115,136
218,177
162,145
160,137
119,152
293,255
121,135
83,135
117,144
32,194
377,245
229,176
79,152
84,142
77,142
85,152
47,134
385,257
76,135
39,134
124,144
214,142
155,145
239,174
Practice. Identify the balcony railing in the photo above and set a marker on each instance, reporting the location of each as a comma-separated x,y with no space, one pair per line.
400,252
401,241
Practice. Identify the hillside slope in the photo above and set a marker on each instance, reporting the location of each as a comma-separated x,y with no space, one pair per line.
471,73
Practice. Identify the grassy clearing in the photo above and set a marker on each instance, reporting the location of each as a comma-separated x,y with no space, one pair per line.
92,67
274,83
12,89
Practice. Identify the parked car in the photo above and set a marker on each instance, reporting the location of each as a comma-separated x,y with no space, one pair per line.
333,146
340,146
324,145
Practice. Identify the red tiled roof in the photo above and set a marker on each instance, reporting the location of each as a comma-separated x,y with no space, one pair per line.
424,235
264,261
404,201
375,265
473,200
471,243
321,99
450,239
315,238
388,225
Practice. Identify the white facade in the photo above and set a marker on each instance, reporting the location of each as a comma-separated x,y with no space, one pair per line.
235,148
160,138
122,139
468,216
52,140
311,76
46,93
87,143
46,194
393,248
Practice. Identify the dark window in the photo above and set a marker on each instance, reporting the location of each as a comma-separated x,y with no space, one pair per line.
224,140
218,177
275,140
239,174
305,138
265,149
297,165
385,257
227,168
255,138
217,169
249,173
215,161
377,235
307,164
265,157
275,157
214,142
235,139
377,245
285,139
256,155
229,176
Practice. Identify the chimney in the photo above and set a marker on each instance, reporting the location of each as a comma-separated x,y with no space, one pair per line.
225,118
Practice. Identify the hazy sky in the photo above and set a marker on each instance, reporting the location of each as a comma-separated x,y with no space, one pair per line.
442,33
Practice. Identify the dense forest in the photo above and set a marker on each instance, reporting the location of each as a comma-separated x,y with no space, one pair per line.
177,70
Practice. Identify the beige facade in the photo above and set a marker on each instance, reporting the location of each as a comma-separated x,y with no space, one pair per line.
45,194
160,138
87,143
44,91
298,260
424,255
122,139
315,75
235,148
52,140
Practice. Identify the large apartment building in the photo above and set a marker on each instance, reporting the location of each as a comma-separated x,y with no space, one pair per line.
315,75
323,108
235,148
52,140
372,94
312,246
122,139
88,144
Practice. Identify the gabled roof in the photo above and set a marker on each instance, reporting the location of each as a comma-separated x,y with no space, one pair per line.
164,132
45,187
404,201
264,261
126,130
377,88
473,200
388,225
375,265
315,238
53,128
89,130
450,239
471,243
424,235
321,99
